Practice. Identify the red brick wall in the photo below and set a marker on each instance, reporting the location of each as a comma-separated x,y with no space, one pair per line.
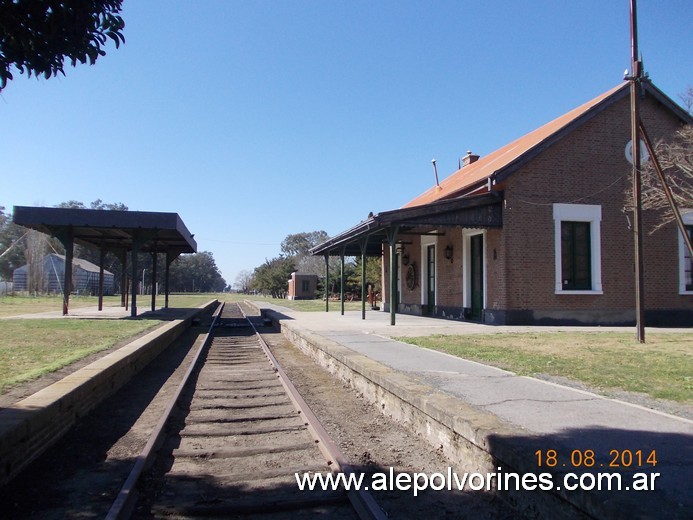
586,167
496,297
449,276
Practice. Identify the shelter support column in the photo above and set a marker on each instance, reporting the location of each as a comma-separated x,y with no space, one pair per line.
137,242
66,237
364,245
155,255
341,281
102,259
327,282
123,277
392,242
170,257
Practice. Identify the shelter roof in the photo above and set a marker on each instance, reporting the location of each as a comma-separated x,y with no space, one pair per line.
112,230
481,211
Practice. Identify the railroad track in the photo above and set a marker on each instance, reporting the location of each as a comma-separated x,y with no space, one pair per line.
234,435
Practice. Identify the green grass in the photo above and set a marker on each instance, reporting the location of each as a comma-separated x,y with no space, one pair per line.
31,348
662,367
16,305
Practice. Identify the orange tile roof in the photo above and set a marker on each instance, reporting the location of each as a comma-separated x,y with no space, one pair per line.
478,172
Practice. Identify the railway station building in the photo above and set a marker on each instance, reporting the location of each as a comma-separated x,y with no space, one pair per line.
538,231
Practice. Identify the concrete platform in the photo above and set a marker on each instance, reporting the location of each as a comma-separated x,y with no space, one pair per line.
485,418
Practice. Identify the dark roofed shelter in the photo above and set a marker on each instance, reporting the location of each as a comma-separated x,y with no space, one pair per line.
116,231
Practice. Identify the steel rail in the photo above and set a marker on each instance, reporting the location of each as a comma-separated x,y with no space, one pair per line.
124,503
363,502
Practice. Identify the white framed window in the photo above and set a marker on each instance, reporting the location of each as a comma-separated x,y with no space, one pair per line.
685,262
578,250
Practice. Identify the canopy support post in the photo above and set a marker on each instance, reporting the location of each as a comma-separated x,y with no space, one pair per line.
392,242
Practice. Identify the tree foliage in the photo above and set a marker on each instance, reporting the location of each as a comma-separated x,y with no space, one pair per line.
196,272
111,261
676,159
243,281
299,244
272,277
373,273
110,206
11,251
37,36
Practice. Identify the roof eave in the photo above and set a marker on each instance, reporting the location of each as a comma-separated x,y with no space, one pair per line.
362,229
407,217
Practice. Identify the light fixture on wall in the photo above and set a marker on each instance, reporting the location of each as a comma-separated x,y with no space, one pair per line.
448,252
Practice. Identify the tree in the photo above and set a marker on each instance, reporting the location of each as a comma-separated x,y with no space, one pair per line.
676,159
299,244
37,36
196,272
115,206
35,249
243,280
11,248
272,277
298,247
687,98
373,272
91,254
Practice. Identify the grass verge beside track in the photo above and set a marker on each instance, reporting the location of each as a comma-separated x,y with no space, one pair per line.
16,305
31,348
19,304
660,368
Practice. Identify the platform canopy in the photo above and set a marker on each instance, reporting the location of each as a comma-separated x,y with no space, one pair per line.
111,230
367,237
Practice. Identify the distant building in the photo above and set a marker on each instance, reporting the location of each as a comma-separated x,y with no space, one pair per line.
85,276
302,286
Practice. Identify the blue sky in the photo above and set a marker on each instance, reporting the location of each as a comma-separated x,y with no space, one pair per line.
257,119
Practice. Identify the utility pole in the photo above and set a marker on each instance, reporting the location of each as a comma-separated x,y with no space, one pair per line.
636,75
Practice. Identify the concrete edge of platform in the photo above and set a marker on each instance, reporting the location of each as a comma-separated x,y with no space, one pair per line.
30,426
474,440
